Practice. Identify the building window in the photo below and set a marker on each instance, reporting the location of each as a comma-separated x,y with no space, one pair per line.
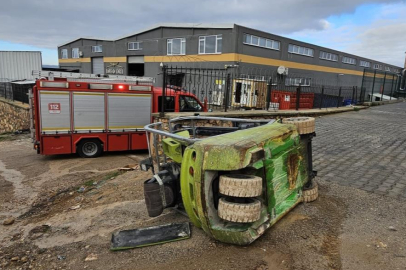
261,42
134,46
377,66
387,68
210,44
328,56
365,64
300,50
64,53
349,60
97,49
297,81
75,53
176,46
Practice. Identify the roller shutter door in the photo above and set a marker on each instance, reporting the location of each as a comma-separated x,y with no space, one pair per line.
88,112
136,59
128,111
97,65
54,112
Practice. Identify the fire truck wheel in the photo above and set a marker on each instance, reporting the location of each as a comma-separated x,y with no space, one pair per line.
311,193
242,212
240,185
89,148
304,125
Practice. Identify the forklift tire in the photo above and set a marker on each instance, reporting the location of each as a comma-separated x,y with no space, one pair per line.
311,193
247,212
89,148
240,185
304,125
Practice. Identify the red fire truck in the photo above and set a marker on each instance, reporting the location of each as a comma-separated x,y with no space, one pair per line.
88,115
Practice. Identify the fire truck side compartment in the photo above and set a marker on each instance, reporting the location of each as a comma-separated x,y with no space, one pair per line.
115,119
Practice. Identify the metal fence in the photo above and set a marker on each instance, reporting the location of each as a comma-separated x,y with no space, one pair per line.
379,85
5,89
233,88
15,91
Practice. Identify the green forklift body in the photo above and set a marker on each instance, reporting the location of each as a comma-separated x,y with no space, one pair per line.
273,151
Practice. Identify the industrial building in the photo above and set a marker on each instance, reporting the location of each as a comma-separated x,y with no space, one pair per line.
215,45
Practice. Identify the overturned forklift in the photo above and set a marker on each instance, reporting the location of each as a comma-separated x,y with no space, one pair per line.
235,178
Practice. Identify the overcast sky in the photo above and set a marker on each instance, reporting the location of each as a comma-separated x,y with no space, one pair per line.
375,29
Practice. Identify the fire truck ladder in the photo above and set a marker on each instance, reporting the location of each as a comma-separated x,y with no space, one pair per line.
71,76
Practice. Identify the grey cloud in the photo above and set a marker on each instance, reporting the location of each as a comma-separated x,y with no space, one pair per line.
47,23
386,43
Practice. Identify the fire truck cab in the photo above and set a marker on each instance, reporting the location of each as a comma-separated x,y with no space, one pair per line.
88,115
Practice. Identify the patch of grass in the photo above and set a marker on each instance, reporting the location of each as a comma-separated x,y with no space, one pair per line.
111,175
357,109
8,136
88,183
104,178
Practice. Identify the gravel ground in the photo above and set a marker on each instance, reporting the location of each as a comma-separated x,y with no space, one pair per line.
56,227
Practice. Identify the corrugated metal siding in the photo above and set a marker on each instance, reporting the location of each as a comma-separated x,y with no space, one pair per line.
19,65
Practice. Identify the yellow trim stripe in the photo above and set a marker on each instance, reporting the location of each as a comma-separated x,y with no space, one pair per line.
229,57
130,95
119,127
122,59
234,57
226,57
288,64
88,94
371,74
53,93
56,129
76,60
87,128
115,59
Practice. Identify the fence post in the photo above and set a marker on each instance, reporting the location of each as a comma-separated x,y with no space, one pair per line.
162,113
322,97
353,94
391,88
268,96
373,86
228,87
362,86
356,94
298,96
361,98
383,86
339,97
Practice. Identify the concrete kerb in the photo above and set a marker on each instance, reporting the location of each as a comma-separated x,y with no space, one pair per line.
384,102
267,114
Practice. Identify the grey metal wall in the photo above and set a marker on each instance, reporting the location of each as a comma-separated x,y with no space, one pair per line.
16,65
283,54
155,42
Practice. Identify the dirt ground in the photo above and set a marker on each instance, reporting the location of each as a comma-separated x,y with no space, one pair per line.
66,208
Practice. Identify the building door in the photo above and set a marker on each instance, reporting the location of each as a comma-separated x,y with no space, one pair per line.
97,65
136,66
237,98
